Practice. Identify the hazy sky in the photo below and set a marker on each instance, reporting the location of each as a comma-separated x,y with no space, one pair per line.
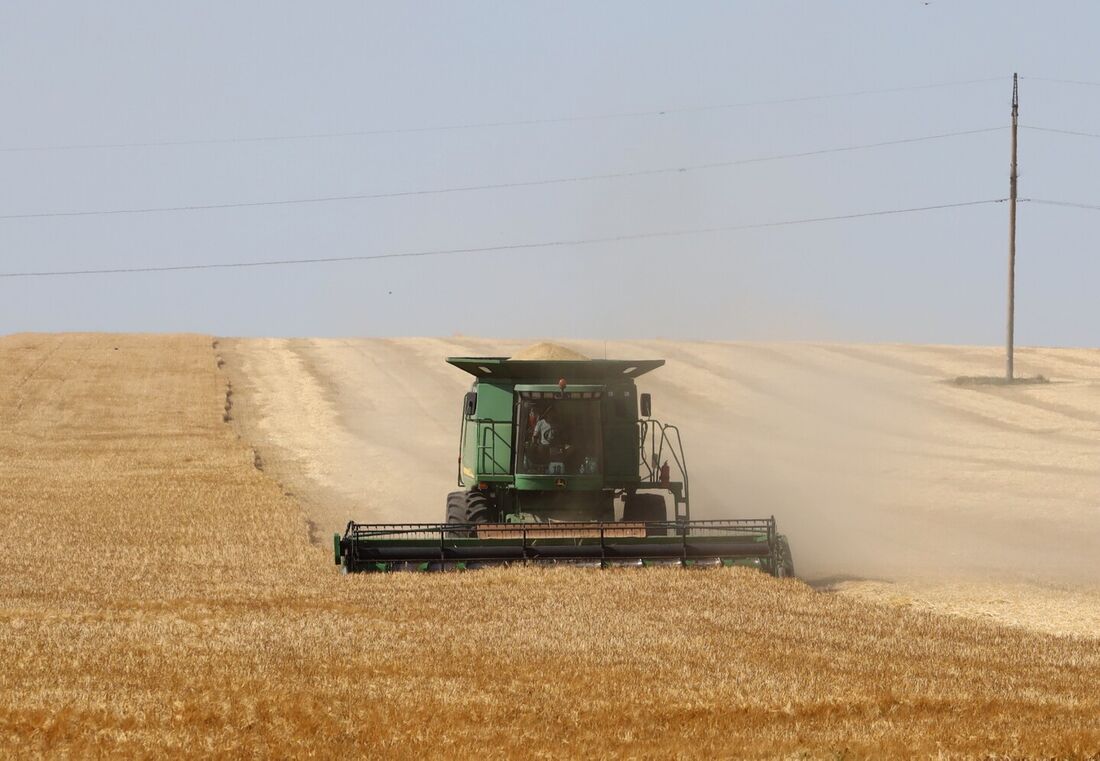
139,72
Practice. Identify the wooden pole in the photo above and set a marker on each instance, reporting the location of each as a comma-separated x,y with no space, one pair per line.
1010,338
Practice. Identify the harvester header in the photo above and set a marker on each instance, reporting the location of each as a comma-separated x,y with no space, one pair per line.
561,461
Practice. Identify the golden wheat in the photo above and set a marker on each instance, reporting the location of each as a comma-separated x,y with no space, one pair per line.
159,595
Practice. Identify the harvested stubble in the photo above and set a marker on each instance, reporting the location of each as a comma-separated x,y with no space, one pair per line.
158,594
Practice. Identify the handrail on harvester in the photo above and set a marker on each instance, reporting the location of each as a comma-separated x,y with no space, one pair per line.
654,437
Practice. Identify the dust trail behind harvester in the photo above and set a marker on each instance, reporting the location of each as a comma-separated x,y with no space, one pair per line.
872,463
878,468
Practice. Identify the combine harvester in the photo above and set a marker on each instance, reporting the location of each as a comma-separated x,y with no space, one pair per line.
549,450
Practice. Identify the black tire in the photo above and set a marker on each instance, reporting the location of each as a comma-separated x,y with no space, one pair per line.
468,507
479,508
456,511
456,507
646,508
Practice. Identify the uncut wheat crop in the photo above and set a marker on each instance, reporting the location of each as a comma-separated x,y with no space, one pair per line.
159,594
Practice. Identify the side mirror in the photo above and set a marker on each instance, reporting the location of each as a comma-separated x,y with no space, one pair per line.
647,405
469,404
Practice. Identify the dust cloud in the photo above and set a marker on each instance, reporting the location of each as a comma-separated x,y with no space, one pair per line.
876,466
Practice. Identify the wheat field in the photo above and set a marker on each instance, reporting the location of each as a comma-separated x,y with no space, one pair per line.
160,594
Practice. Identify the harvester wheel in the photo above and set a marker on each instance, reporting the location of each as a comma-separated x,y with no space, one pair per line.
479,508
456,511
468,507
646,508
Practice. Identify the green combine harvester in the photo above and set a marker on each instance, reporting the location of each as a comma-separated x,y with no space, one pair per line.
561,462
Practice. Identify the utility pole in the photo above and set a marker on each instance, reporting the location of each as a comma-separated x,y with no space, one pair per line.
1010,338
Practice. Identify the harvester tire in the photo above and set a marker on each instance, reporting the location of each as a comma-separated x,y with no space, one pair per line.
646,508
479,508
456,511
468,507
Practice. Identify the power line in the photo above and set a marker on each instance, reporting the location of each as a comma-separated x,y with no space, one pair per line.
496,124
1064,81
505,247
502,185
1071,204
1060,131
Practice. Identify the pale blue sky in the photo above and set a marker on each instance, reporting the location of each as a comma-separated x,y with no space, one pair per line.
113,72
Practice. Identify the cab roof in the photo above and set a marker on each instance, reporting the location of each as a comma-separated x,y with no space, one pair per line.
550,370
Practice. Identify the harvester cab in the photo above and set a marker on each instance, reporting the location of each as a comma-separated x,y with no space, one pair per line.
561,440
561,461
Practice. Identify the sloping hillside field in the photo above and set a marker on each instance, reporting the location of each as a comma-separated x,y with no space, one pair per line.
160,592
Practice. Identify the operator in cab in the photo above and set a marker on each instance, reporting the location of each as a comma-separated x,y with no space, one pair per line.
550,442
544,432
